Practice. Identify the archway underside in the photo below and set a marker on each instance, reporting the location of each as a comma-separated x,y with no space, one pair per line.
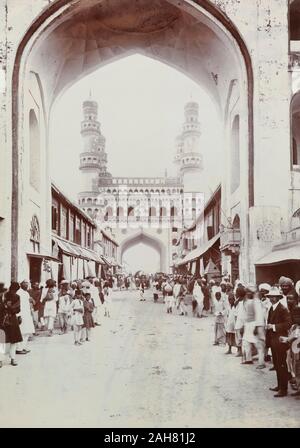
90,34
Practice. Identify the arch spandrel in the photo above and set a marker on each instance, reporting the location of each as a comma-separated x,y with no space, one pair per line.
90,35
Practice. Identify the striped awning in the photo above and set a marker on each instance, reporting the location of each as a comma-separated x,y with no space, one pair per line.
199,251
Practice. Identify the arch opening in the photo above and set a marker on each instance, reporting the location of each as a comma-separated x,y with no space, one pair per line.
72,36
148,240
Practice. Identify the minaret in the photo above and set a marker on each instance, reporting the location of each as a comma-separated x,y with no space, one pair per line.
93,145
93,158
188,157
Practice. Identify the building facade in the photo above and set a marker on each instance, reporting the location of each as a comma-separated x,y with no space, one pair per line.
73,234
146,209
198,247
245,54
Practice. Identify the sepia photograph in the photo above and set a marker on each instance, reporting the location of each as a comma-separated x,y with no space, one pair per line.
149,216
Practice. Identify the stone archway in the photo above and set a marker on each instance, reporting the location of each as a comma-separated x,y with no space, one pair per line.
71,39
150,240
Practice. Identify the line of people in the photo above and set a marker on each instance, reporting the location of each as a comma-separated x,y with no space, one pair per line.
24,312
261,319
261,322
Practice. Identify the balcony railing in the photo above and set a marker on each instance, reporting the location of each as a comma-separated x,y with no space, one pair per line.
230,239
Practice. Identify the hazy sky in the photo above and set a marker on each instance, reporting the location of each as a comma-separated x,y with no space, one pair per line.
141,111
142,257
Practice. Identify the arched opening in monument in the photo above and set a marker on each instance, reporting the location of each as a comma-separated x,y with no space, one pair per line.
70,40
142,257
138,241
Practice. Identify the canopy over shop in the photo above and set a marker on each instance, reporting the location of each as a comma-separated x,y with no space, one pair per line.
76,262
204,260
283,260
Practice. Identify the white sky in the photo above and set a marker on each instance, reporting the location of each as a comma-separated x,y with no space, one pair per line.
141,111
142,257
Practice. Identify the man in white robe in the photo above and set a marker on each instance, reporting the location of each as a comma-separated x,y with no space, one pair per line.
27,325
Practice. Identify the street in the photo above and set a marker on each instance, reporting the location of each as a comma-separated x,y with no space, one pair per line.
143,368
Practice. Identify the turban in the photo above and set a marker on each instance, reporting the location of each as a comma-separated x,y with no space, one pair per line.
285,281
264,286
251,288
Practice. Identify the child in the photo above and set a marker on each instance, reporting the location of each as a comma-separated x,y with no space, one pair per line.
88,321
107,299
142,291
77,318
220,311
230,323
64,310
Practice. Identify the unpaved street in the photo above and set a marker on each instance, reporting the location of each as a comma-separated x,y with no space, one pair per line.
143,368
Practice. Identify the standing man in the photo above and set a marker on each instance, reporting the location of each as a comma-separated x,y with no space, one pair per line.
199,297
26,326
287,287
264,289
35,295
253,328
279,322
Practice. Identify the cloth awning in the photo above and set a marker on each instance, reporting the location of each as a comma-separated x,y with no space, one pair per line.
199,251
280,255
77,251
106,261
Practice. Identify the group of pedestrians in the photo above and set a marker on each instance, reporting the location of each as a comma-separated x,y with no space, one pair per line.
25,311
263,323
176,290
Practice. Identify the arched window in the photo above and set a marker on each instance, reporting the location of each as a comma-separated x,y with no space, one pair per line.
235,154
295,129
162,211
120,212
152,212
34,151
236,222
130,211
108,214
173,212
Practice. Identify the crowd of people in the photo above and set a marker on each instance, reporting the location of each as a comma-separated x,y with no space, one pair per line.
260,322
26,311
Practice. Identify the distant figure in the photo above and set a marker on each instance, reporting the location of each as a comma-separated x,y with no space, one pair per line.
9,322
107,299
77,318
50,298
155,291
169,298
220,311
88,321
26,325
142,292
